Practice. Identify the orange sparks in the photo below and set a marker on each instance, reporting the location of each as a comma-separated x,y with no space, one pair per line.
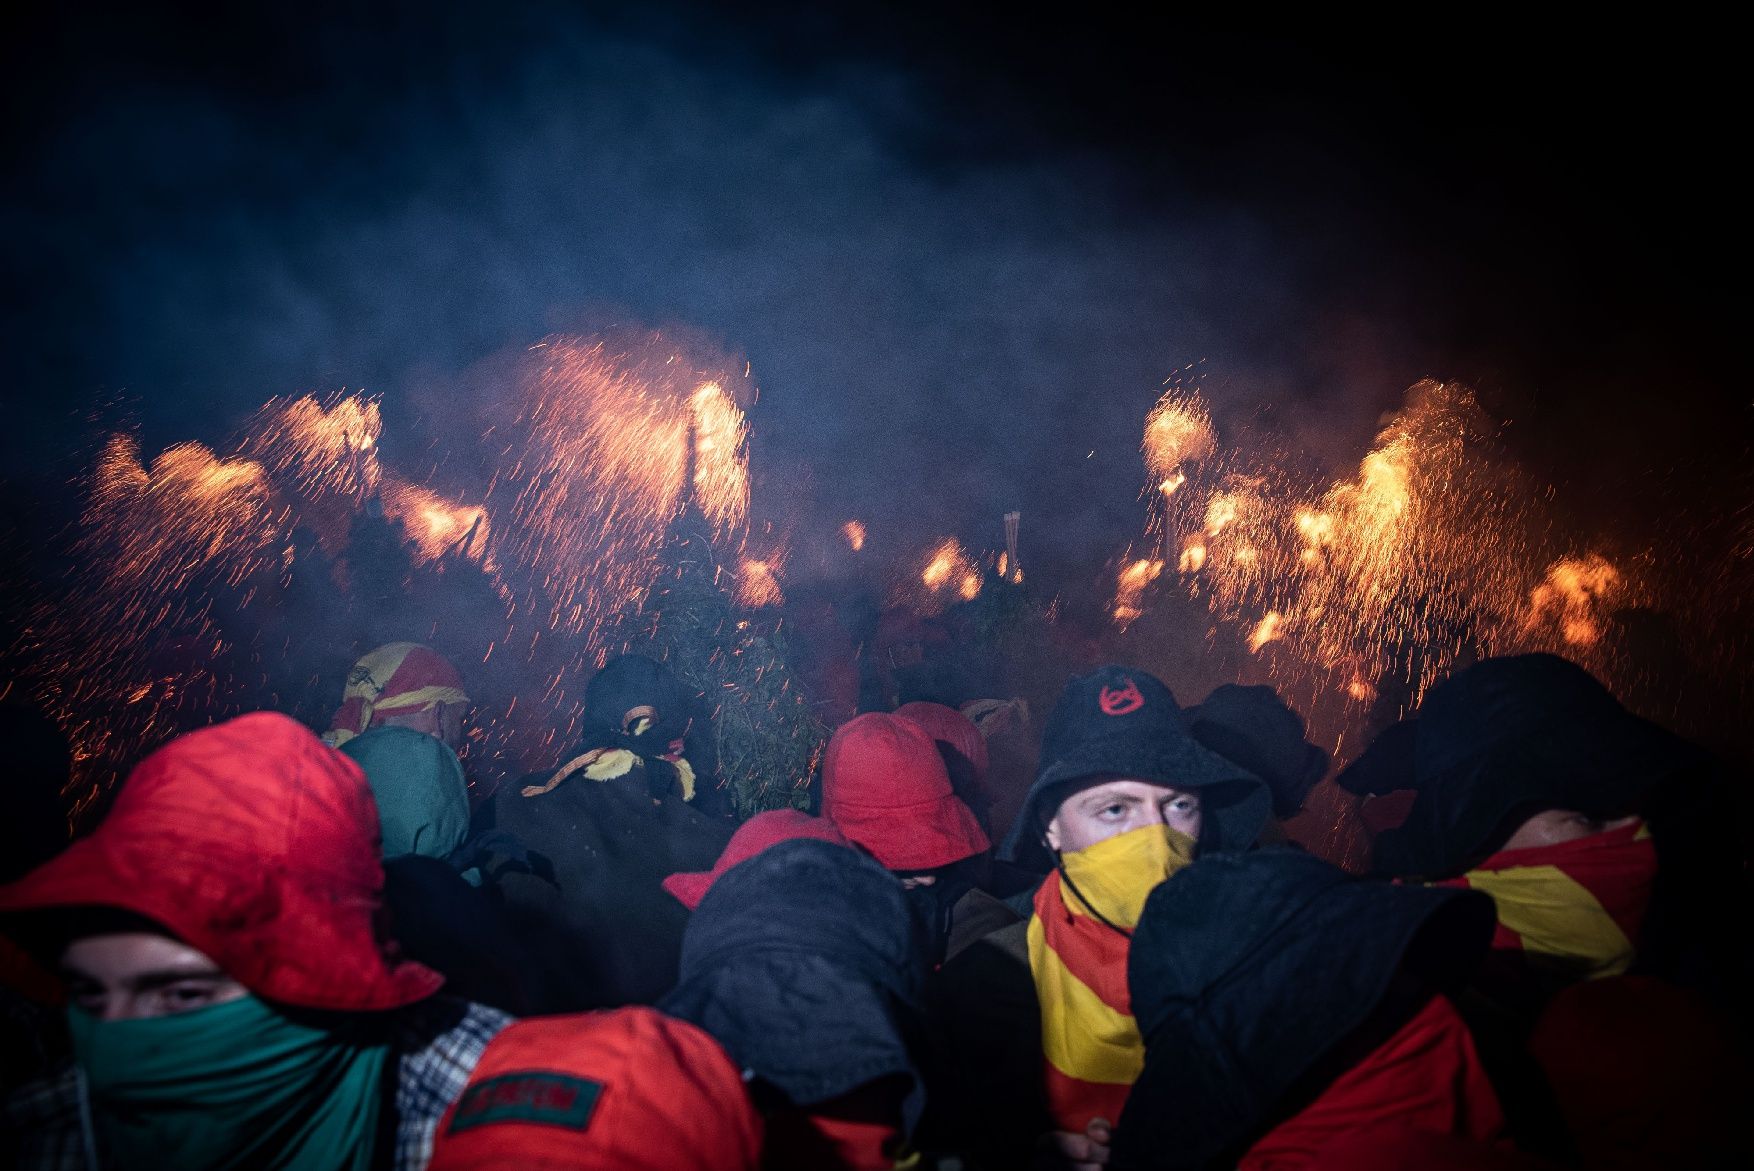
854,532
1193,556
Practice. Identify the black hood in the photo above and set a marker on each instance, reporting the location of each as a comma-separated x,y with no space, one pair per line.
1247,969
807,965
1510,737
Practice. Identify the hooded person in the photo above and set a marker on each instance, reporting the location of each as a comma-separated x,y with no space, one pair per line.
1254,728
598,836
1597,836
441,913
1284,1004
964,750
760,832
624,1090
235,1000
402,684
1534,785
1124,797
806,964
885,786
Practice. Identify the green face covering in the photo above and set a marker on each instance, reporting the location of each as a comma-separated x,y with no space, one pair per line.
230,1086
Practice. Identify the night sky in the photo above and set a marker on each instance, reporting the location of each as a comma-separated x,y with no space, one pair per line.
961,252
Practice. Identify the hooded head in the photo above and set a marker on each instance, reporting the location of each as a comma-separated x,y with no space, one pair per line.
1510,737
885,786
752,837
418,785
1121,722
399,680
807,965
626,1090
255,844
1252,727
951,728
1247,969
636,703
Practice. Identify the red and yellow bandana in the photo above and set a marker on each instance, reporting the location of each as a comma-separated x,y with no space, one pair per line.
395,678
1576,908
1091,1044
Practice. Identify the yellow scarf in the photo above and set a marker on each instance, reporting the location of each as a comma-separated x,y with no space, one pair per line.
1091,1044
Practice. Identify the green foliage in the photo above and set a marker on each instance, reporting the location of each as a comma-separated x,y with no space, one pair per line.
768,742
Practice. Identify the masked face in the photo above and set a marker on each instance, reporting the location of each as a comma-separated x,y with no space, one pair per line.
1118,806
139,975
1113,878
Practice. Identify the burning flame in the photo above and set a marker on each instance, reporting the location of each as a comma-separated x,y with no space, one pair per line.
854,531
1130,586
1177,431
436,526
1575,597
1266,631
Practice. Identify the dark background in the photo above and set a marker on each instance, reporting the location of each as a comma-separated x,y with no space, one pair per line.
961,251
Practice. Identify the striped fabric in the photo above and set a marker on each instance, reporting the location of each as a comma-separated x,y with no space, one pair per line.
1576,908
1091,1044
394,678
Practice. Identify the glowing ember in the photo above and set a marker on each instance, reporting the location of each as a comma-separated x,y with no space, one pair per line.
1177,431
437,527
1193,555
1575,598
1266,631
1130,586
758,585
721,459
854,531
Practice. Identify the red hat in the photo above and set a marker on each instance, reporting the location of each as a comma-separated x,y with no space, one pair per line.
752,837
256,844
951,727
885,787
630,1089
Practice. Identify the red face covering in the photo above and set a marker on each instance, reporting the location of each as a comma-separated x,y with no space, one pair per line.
1427,1077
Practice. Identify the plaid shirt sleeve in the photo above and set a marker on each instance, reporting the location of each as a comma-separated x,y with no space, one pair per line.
440,1043
39,1124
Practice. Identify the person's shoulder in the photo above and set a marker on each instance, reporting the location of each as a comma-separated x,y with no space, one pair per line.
438,1043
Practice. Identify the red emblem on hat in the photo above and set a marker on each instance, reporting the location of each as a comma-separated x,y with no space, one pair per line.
1120,701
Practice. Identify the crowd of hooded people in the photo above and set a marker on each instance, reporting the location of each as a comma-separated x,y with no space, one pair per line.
280,950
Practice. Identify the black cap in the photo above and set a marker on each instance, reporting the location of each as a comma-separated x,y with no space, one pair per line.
1118,721
1253,727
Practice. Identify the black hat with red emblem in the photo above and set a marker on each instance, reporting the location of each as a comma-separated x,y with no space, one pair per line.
1122,722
